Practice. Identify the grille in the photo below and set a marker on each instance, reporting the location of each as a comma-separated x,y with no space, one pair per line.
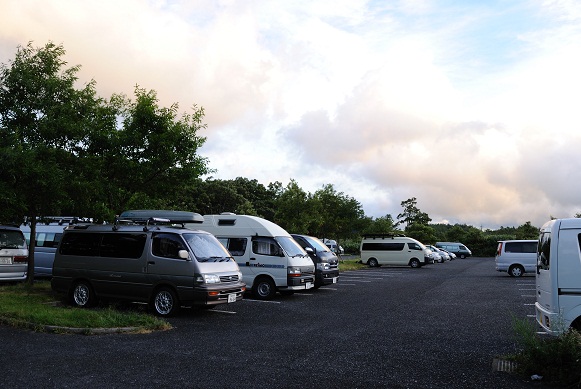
229,278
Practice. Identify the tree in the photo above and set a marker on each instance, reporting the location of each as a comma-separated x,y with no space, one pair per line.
421,232
527,231
294,210
381,225
341,214
44,121
411,214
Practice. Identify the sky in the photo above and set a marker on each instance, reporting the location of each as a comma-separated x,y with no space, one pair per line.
471,107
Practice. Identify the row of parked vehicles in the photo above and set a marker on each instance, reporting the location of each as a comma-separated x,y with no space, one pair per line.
390,249
171,259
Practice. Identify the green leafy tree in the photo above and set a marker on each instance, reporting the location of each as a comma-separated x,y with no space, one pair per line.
381,225
294,210
342,215
527,231
44,122
421,232
411,214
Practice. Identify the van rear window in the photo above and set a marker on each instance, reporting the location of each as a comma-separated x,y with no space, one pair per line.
376,246
520,247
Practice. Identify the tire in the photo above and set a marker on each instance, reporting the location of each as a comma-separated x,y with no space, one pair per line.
373,262
516,271
263,288
415,263
83,296
165,302
462,256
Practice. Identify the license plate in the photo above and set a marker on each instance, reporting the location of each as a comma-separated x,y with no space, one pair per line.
232,298
5,261
308,285
334,280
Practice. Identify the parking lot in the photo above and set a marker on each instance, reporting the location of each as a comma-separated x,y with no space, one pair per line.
440,326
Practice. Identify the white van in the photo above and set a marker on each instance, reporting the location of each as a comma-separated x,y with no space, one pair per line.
269,258
146,257
385,249
13,254
558,305
516,257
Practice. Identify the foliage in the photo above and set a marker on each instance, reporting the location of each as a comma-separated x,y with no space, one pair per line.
381,225
421,232
411,214
22,305
557,360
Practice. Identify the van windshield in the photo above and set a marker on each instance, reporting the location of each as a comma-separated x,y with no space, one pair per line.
10,239
290,246
207,248
317,244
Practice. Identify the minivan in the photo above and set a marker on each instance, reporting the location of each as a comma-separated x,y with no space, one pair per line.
13,254
325,261
454,247
558,279
387,249
146,256
269,258
49,232
516,257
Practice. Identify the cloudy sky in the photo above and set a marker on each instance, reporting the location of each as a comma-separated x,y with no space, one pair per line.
472,107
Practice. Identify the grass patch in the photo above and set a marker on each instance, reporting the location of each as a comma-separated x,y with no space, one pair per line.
38,306
350,264
556,359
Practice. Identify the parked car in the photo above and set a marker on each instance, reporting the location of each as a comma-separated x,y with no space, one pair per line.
13,254
386,249
325,261
516,257
457,248
444,256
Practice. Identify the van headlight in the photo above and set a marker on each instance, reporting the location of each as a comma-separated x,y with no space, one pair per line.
323,266
294,271
207,279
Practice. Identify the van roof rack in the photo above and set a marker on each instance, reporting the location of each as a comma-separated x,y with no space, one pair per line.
148,216
382,236
60,220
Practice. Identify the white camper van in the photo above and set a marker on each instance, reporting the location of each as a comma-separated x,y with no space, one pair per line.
558,280
386,249
269,258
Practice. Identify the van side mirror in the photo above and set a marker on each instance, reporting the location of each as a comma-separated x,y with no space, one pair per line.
183,254
309,250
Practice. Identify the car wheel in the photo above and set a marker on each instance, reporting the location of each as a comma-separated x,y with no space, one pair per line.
83,295
373,262
415,263
165,302
516,271
263,288
462,256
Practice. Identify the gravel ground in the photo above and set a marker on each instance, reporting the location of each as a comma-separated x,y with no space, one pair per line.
440,326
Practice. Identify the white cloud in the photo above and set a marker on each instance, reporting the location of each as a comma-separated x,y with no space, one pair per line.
469,108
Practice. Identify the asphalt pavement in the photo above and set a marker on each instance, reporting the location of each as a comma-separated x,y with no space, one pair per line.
440,326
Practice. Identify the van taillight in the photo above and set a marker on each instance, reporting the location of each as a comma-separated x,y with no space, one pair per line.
499,249
21,258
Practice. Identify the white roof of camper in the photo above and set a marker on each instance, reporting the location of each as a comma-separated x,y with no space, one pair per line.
239,225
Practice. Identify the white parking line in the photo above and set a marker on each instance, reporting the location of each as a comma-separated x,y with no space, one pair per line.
529,304
220,311
343,283
262,301
528,295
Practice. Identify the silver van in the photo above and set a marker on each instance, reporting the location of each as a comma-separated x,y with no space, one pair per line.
49,232
516,257
146,259
458,249
13,254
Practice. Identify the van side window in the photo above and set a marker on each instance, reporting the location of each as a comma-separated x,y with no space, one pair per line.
370,246
80,244
236,246
167,245
544,252
122,245
265,246
48,239
414,246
